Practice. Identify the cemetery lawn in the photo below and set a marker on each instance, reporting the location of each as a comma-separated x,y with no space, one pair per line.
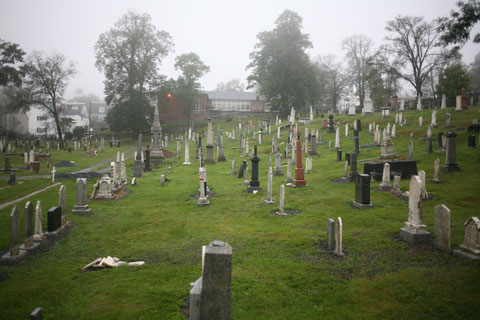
280,269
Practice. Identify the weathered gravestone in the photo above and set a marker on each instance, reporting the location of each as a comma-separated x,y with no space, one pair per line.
330,234
14,253
81,205
28,243
451,154
210,295
138,164
269,187
62,202
362,192
415,231
442,227
339,235
385,185
12,180
470,248
38,235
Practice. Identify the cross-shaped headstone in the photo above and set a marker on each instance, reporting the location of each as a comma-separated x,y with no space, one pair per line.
53,174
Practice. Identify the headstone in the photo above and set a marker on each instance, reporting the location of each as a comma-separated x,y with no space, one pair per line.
299,171
254,182
396,183
278,165
346,169
351,106
362,192
187,154
330,123
202,198
387,147
464,99
269,187
330,235
54,221
134,181
162,179
339,155
410,150
444,102
62,203
36,314
14,253
356,145
436,171
459,104
289,178
451,154
339,235
281,209
38,235
415,231
138,164
210,295
422,176
420,121
434,119
442,227
470,248
146,167
337,138
448,120
353,167
209,155
233,166
81,205
12,180
308,164
28,221
105,190
471,142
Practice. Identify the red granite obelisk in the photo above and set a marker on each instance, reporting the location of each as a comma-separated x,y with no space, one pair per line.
299,171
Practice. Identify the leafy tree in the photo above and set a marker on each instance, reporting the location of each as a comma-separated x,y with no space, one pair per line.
234,85
358,52
133,115
79,132
46,77
456,28
187,86
10,56
279,65
331,80
475,73
129,55
413,50
452,80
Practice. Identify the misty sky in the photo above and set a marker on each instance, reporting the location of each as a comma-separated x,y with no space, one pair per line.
222,33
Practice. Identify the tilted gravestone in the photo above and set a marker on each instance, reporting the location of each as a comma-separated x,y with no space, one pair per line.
415,231
210,295
14,254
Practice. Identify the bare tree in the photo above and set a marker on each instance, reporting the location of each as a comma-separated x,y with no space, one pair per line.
46,79
234,85
413,50
358,53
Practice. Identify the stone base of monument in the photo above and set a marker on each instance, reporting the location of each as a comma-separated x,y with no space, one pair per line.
384,187
157,154
450,167
364,114
268,202
389,155
32,247
288,180
187,163
278,173
203,202
8,258
221,159
463,253
361,206
56,233
137,169
250,189
83,210
413,237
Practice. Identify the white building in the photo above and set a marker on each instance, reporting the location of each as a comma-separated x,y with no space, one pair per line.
40,122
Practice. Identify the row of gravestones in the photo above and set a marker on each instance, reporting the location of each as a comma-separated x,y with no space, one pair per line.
56,222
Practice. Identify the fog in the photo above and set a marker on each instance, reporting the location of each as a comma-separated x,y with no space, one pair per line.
222,33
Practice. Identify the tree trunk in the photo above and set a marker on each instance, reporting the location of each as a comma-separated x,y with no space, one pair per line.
57,123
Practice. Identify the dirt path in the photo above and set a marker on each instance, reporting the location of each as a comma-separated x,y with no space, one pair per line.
6,204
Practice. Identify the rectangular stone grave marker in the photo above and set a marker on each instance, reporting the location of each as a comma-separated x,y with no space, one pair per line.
362,192
81,205
442,227
14,254
330,234
470,248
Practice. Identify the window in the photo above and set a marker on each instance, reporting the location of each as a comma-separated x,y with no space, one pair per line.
41,118
101,109
41,130
198,106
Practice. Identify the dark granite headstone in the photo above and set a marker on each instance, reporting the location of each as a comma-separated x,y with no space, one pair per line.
147,167
359,124
330,123
362,192
356,145
12,180
428,146
54,219
8,166
339,155
353,167
347,157
314,144
440,138
471,143
254,182
241,170
451,154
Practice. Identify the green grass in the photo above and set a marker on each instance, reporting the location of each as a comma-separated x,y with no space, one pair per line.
279,268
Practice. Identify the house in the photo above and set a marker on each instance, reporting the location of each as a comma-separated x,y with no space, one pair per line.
236,101
40,122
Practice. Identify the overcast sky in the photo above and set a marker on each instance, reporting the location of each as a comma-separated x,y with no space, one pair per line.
222,33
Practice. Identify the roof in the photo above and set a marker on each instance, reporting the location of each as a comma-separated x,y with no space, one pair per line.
97,105
218,95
